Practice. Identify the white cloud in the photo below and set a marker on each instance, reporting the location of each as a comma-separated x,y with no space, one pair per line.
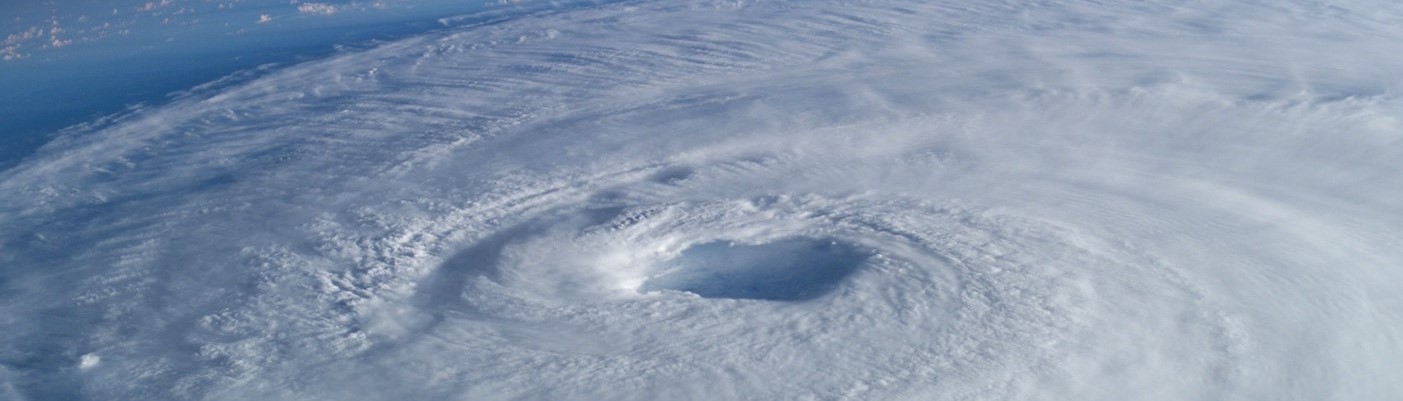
317,8
89,361
1069,201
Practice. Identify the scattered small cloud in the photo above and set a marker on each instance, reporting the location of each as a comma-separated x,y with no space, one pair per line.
88,361
32,32
265,18
317,8
151,6
11,53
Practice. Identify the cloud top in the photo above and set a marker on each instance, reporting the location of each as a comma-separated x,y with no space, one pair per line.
1080,200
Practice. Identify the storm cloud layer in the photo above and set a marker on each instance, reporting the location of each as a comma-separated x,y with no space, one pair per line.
690,200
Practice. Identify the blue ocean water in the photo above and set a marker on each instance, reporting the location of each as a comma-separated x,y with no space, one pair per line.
73,62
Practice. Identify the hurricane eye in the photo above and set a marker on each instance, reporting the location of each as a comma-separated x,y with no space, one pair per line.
795,269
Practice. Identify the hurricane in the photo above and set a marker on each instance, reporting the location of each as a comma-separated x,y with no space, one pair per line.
734,200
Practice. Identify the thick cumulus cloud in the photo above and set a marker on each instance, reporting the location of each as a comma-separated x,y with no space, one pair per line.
682,200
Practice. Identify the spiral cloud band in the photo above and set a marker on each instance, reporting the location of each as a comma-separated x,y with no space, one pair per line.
692,200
